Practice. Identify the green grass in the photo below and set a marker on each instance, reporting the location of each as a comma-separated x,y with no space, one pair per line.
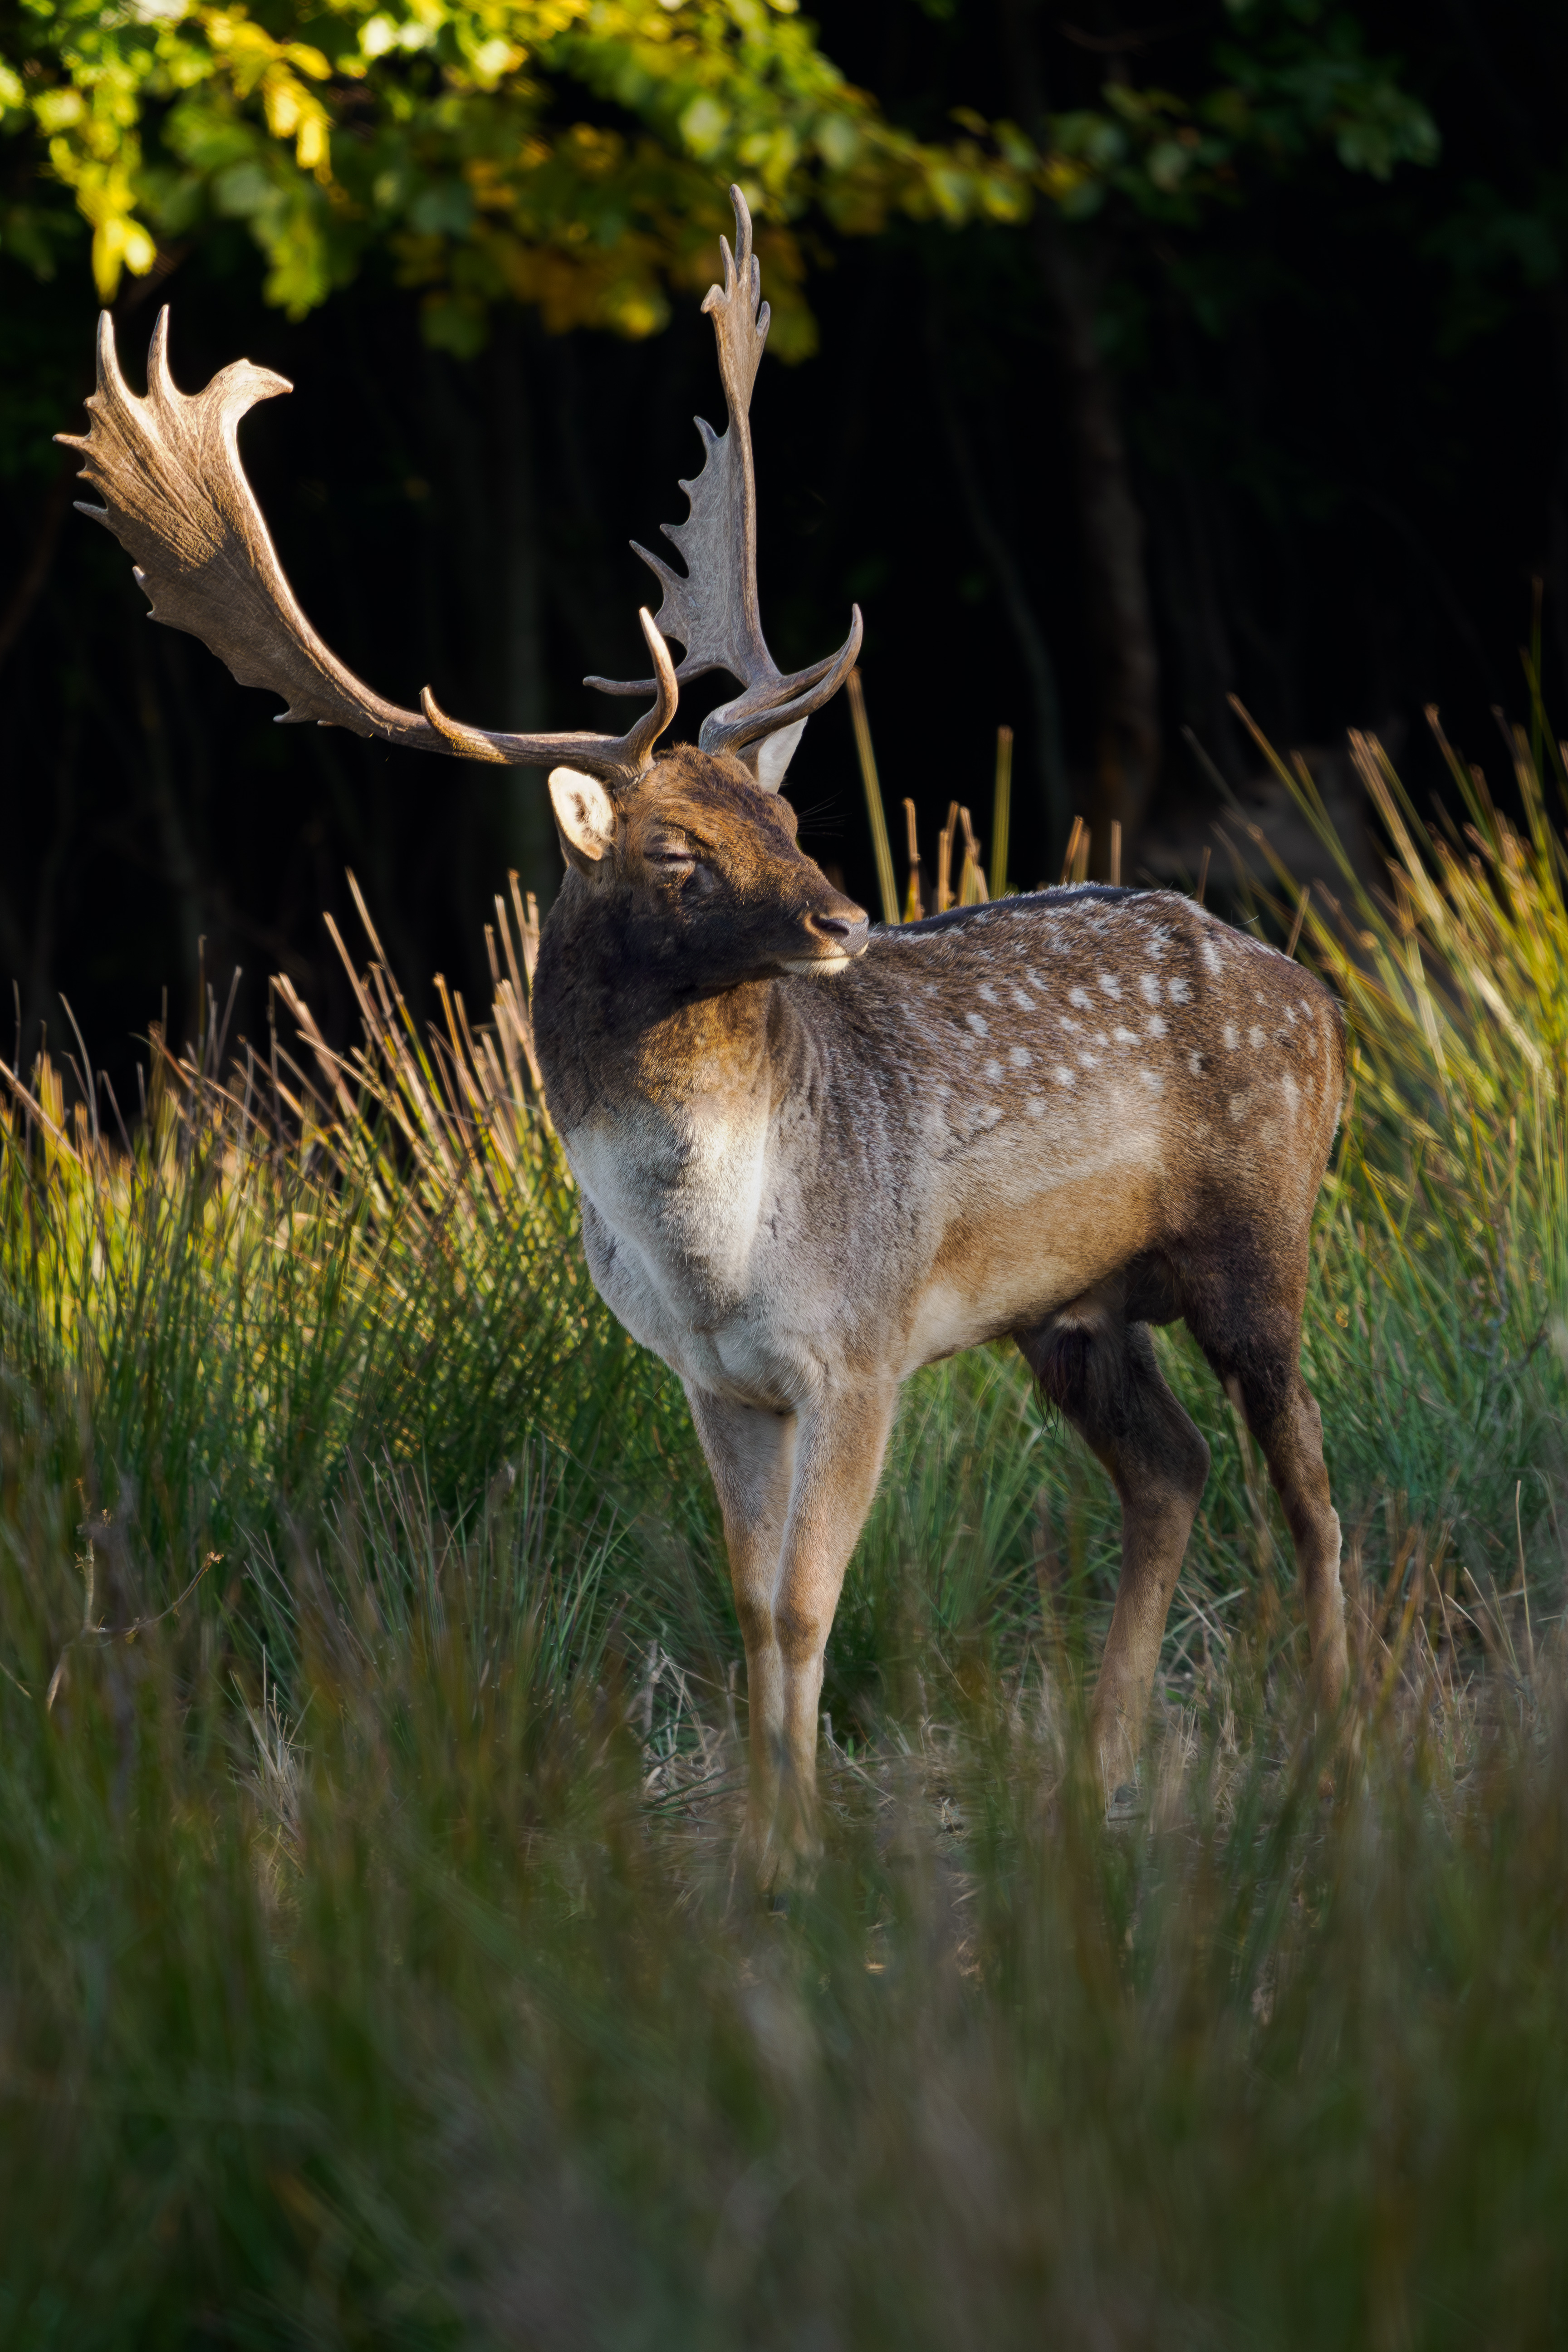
372,1970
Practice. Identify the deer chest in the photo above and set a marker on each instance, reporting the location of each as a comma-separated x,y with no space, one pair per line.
693,1233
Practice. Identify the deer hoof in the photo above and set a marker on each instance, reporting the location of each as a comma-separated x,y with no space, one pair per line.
1123,1805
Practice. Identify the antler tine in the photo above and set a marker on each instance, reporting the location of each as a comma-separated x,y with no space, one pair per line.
614,758
712,608
642,738
177,497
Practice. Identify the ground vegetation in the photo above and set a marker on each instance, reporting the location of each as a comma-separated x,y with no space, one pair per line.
374,1969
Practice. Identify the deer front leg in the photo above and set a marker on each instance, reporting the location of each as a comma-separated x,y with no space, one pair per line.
752,1456
838,1460
795,1491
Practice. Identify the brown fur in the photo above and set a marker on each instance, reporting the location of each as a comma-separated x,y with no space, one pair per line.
1062,1117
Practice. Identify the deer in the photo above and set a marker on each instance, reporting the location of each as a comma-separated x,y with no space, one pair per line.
815,1154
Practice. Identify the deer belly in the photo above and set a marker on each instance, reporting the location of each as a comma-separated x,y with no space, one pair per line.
1004,1261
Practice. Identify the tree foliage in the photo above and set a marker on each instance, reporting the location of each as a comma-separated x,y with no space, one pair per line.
573,153
1288,77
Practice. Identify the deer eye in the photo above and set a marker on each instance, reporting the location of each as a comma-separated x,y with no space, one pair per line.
670,857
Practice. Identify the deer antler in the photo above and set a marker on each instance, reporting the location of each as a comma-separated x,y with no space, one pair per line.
176,498
713,609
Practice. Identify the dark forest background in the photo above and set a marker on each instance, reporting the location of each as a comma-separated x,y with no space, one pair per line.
1343,402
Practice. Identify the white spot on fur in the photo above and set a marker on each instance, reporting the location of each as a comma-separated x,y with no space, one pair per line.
1211,955
1148,987
1038,1102
1066,1021
1290,1014
1155,1025
1232,1035
1063,1076
1254,1036
979,1023
1088,1062
1126,1036
1025,1004
988,995
1195,1064
1152,1080
1020,1058
1110,984
1238,1106
1181,994
1078,996
993,1070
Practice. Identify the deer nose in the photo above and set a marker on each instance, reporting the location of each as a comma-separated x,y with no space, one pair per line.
844,933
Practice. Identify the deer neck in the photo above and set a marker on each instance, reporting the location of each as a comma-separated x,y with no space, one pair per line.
619,1029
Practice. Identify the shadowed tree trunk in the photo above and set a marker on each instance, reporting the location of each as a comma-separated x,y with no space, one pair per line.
178,867
1121,622
531,829
24,592
1003,564
56,502
1519,164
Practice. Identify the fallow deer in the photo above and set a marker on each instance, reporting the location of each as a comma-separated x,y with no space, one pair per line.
814,1155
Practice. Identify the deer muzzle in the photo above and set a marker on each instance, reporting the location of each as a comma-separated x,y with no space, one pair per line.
835,940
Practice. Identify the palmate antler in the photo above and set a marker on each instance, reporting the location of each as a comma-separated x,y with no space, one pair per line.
176,498
712,611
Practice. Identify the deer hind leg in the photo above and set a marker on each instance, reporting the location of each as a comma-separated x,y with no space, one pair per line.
750,1454
1100,1370
1251,1331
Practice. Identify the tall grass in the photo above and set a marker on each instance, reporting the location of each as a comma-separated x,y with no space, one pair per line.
371,1968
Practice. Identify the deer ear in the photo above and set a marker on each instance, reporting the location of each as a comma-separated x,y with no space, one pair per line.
585,817
774,754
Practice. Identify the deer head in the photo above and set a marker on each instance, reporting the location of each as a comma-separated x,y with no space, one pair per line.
696,870
176,498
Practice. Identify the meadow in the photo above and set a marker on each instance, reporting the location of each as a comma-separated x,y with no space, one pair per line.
373,1965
